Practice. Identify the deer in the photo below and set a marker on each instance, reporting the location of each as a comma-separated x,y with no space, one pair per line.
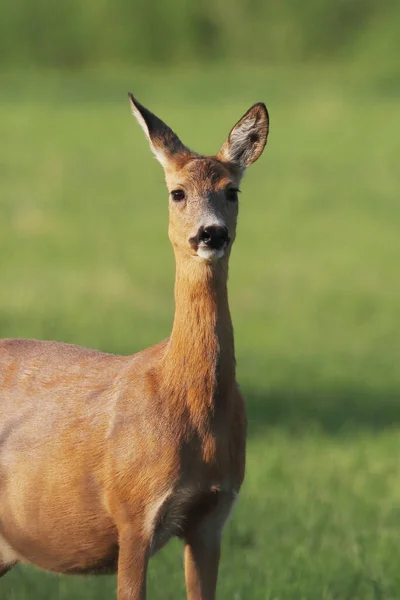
104,458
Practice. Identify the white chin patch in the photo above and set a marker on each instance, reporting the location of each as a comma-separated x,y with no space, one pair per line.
209,253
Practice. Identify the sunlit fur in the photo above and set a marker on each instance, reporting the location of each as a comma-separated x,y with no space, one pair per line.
104,458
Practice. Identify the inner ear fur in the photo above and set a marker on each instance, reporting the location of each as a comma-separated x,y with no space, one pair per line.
247,138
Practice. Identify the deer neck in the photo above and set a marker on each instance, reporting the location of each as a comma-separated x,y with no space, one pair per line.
199,362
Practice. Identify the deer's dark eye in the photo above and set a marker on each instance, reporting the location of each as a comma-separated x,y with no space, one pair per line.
178,195
232,194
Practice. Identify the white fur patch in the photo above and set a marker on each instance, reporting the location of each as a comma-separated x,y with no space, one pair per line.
153,511
210,254
7,555
139,119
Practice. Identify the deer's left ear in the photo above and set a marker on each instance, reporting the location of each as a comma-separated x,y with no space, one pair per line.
247,139
164,143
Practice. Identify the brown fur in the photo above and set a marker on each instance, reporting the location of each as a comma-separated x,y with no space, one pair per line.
104,458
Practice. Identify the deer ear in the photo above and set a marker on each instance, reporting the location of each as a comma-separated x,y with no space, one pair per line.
248,137
164,143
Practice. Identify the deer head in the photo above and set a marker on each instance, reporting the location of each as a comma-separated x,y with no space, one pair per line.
203,190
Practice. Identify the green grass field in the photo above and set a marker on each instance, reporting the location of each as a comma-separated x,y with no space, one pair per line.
314,288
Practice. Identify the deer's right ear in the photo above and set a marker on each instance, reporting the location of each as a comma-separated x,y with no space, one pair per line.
164,143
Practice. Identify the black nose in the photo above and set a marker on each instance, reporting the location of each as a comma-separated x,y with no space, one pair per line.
214,236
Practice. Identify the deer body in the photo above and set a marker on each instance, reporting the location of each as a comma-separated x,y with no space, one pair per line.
104,458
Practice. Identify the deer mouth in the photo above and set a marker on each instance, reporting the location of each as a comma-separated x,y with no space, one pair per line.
210,254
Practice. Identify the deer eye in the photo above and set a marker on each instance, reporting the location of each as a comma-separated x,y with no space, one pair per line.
232,194
178,195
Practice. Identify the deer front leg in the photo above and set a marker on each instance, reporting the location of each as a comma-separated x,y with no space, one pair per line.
132,565
202,553
203,549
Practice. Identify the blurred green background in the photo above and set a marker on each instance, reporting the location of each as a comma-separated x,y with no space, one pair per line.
314,280
78,34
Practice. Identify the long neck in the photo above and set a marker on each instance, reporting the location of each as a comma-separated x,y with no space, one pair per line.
199,363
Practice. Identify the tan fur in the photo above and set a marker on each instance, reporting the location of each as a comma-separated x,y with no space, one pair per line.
104,458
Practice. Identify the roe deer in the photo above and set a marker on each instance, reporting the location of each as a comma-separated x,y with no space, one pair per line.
104,458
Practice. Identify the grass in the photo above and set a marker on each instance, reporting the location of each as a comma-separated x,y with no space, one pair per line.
314,289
